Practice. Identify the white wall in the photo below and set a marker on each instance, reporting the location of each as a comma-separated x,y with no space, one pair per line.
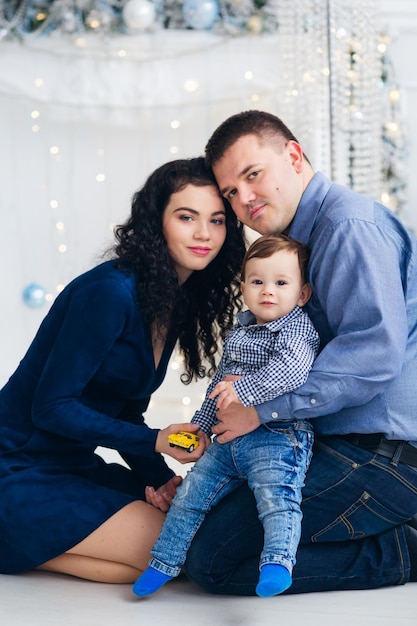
399,20
82,127
104,140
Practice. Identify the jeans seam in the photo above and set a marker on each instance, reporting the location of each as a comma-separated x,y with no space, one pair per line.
393,471
401,556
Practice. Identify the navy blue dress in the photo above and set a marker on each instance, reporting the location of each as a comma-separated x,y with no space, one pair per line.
84,382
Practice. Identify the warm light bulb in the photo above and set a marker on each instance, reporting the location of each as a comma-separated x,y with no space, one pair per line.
191,85
394,95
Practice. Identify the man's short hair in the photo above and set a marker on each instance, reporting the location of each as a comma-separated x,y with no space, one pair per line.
265,126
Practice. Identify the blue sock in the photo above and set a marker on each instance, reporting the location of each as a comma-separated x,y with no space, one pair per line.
273,579
150,581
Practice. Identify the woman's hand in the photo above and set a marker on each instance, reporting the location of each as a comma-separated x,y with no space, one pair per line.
162,498
180,454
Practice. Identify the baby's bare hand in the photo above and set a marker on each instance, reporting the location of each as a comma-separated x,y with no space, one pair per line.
225,393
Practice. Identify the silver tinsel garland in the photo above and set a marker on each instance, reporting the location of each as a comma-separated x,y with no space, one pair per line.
23,18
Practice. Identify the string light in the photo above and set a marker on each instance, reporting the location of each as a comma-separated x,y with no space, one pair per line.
191,85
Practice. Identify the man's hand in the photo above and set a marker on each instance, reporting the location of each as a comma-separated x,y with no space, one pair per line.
235,421
225,393
180,454
162,498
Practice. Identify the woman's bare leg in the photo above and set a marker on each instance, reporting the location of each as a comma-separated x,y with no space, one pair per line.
118,551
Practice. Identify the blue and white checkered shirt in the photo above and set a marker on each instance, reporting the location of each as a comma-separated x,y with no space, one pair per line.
272,358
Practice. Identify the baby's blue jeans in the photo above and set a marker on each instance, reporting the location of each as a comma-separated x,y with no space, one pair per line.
273,459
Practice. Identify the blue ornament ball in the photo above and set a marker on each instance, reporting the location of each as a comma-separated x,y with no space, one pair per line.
200,14
34,296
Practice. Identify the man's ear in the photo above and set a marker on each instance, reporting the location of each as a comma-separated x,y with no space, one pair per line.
305,295
296,155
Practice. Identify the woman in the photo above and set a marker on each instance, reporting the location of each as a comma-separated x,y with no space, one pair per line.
87,378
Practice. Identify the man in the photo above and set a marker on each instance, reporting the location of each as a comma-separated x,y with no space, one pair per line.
361,395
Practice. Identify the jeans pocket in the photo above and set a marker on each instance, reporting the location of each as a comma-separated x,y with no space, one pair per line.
364,517
297,438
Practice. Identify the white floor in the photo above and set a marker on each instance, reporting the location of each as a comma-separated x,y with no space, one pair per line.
41,599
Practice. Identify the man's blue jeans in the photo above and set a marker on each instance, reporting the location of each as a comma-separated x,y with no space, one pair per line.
274,460
354,505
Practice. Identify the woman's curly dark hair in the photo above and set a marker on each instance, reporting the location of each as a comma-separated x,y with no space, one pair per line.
202,310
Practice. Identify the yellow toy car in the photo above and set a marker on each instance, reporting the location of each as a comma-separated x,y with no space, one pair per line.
188,441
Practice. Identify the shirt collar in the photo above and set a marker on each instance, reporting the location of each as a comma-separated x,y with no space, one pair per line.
309,207
247,318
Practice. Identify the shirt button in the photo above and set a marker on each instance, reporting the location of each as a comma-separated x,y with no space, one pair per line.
251,398
274,415
313,401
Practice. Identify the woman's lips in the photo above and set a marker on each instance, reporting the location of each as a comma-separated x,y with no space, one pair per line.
200,250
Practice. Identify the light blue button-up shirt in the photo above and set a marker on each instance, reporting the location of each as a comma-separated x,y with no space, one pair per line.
363,274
